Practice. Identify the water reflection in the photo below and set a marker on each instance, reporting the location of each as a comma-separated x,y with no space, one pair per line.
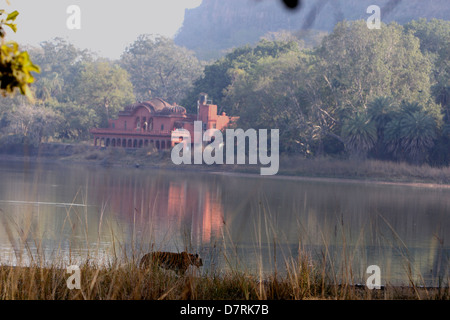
162,206
234,222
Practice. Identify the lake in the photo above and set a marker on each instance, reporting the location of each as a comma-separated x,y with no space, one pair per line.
64,212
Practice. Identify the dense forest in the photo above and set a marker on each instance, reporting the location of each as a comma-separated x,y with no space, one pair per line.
358,93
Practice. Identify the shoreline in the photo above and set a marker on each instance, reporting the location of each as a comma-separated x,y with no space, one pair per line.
226,170
207,287
339,180
326,289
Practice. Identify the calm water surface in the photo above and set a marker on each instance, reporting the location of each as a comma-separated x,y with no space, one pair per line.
61,212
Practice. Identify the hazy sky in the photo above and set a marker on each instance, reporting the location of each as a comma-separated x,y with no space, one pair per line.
107,26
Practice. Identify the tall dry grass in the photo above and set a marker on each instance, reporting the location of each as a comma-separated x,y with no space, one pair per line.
115,275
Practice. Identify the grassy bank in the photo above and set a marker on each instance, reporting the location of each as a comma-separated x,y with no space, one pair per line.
128,282
297,166
300,279
374,170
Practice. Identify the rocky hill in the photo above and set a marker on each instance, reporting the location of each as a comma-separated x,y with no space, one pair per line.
218,25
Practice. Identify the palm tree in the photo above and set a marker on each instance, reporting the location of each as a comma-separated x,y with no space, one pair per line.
392,138
381,111
411,134
360,135
418,132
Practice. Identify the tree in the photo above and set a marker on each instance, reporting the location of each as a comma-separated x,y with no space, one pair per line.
360,134
381,111
270,95
434,36
221,74
33,123
77,121
60,62
85,91
358,64
355,65
15,65
160,69
411,133
103,87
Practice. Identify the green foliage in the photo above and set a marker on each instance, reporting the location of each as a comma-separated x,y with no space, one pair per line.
433,34
35,123
360,88
434,38
381,111
220,75
360,134
60,63
78,120
103,87
74,93
361,92
359,64
15,65
159,68
411,133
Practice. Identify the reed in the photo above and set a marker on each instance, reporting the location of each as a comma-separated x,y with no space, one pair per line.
114,274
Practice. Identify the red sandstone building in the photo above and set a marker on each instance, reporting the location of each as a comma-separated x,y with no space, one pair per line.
151,123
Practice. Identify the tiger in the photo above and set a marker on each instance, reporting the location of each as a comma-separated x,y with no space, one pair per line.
178,262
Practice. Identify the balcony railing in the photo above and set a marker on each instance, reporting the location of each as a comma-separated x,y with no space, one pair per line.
134,131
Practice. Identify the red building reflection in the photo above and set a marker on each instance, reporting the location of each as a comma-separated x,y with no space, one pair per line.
172,207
